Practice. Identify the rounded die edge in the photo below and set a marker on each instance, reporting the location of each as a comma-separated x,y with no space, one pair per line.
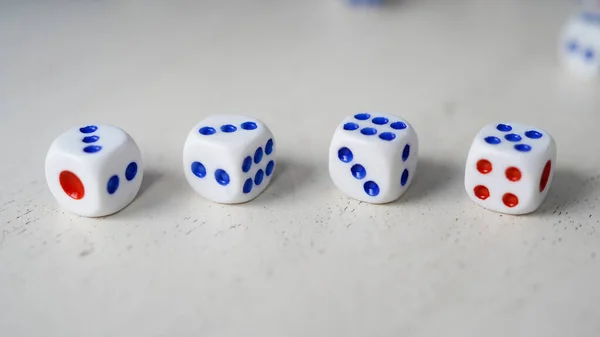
390,117
364,197
217,120
236,198
499,208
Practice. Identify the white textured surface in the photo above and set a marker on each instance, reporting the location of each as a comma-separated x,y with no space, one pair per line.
301,259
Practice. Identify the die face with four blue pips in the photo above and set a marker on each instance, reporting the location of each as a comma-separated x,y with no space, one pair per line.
229,159
373,156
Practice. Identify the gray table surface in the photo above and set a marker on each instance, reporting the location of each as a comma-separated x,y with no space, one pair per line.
302,259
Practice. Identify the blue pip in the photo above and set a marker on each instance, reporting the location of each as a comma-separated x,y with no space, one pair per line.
373,156
229,159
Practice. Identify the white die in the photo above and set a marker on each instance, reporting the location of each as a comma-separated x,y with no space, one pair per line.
373,157
229,159
94,170
579,44
510,167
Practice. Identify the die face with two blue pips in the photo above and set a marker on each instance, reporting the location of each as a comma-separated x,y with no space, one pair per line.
229,159
373,156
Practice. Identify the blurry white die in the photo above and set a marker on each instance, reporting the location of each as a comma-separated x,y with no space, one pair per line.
373,157
94,170
579,44
510,167
229,159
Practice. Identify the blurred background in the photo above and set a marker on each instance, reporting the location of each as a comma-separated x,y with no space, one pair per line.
157,60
